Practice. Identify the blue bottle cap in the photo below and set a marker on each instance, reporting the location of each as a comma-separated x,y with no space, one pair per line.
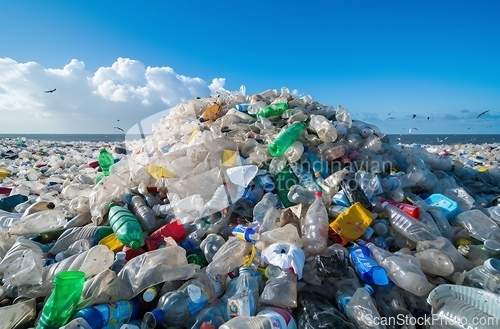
369,289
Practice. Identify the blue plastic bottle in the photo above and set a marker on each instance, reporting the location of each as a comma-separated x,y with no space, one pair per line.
367,269
120,312
318,166
10,202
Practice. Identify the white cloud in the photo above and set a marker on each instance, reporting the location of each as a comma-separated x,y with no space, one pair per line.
89,102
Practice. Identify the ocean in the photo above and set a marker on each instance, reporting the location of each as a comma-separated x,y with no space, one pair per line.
395,139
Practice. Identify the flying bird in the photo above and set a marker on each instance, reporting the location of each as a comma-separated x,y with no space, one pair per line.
50,91
442,140
428,118
413,116
390,118
117,119
409,131
390,113
119,129
482,113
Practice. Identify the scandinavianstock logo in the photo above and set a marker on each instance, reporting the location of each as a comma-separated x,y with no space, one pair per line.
430,321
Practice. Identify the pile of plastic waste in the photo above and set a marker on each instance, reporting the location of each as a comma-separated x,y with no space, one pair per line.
261,211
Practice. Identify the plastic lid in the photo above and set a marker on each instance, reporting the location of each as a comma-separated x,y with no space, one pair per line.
120,255
368,233
153,318
369,289
201,120
492,245
59,257
463,250
149,294
492,265
379,276
385,203
318,194
135,244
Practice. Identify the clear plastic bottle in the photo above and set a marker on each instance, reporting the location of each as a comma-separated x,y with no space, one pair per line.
230,256
39,206
280,289
435,262
486,276
265,213
406,225
315,227
332,151
210,245
243,302
406,275
77,247
299,194
120,312
294,152
177,306
306,179
362,311
91,233
479,226
461,264
248,322
324,128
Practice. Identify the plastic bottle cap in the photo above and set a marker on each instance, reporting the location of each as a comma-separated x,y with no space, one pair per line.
135,244
59,257
385,203
120,255
492,245
318,194
492,265
149,294
463,250
206,325
369,289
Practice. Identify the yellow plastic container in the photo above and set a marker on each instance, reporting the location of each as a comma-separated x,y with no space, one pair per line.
352,223
4,173
112,242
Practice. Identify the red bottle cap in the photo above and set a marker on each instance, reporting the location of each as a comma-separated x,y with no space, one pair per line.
206,325
318,194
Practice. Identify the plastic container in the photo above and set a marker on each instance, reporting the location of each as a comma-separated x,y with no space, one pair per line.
76,248
447,205
126,227
8,203
144,214
477,224
323,128
120,312
283,181
406,225
120,261
273,110
61,304
174,229
477,254
93,234
39,206
211,113
353,222
111,241
243,302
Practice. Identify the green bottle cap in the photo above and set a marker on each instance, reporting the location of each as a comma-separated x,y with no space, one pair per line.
135,244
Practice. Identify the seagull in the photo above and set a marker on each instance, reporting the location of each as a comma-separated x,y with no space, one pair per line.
390,113
117,119
119,129
441,140
482,113
50,91
409,131
390,118
428,118
413,116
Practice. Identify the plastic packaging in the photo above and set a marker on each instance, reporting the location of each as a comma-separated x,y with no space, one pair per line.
367,269
77,247
243,302
477,224
106,160
144,214
286,138
102,315
485,276
407,225
273,110
324,128
280,289
314,311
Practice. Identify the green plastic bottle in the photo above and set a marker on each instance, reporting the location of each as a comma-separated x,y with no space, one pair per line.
273,110
62,302
286,138
283,181
127,228
105,160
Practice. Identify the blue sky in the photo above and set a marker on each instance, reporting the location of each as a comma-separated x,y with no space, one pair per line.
131,59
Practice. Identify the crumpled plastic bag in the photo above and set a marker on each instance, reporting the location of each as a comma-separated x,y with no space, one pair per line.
286,256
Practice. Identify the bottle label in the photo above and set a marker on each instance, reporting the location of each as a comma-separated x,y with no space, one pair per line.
237,307
116,312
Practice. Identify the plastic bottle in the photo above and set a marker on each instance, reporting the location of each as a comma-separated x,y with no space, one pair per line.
211,317
210,245
61,303
315,311
477,254
486,276
74,249
246,295
174,229
294,152
91,233
120,312
280,289
477,224
361,309
273,110
323,128
318,166
461,264
285,138
435,262
247,322
306,180
366,267
283,181
332,151
404,274
315,227
211,113
299,194
406,225
266,182
39,206
177,306
265,213
126,227
105,160
119,262
144,214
